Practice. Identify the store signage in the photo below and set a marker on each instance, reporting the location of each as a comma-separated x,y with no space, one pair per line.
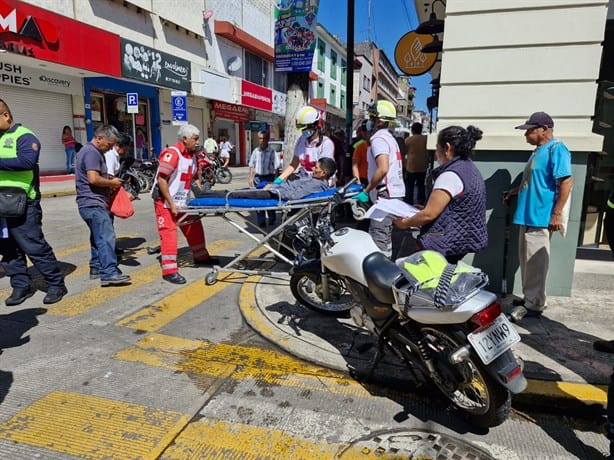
140,62
409,56
37,33
256,96
295,35
256,126
24,77
230,111
179,105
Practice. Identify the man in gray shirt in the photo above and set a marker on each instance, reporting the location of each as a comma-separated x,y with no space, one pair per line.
94,190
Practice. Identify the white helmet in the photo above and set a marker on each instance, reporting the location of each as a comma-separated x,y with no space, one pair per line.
307,116
383,110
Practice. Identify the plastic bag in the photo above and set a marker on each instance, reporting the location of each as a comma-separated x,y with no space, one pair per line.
120,205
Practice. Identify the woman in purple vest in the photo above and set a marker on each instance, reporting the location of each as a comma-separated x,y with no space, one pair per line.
453,222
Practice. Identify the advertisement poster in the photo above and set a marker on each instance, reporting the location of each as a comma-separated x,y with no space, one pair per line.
142,63
295,34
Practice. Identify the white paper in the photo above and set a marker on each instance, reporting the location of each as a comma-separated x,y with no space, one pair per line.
385,207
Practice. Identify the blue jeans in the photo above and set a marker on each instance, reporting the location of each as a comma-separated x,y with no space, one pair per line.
26,238
102,240
70,159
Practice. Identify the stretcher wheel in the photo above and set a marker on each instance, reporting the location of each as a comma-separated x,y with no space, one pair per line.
211,278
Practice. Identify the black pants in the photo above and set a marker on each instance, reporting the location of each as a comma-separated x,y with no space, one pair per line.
417,180
26,238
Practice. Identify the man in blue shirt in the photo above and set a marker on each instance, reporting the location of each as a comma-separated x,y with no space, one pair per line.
545,187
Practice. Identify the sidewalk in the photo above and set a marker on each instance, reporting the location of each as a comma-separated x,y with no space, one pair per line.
560,362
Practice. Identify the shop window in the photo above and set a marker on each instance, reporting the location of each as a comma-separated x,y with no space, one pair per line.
110,109
333,64
321,55
320,90
333,95
256,69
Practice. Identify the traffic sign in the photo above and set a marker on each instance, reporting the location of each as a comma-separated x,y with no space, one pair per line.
132,102
179,105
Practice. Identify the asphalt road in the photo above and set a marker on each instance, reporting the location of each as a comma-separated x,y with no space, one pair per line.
154,370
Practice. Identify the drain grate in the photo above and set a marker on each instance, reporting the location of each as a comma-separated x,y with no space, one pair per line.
413,445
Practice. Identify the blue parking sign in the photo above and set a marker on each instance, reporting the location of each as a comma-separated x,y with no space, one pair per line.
132,102
179,106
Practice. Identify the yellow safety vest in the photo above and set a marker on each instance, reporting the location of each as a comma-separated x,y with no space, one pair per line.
8,149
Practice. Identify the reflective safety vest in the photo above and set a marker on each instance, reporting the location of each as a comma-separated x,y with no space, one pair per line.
610,202
8,149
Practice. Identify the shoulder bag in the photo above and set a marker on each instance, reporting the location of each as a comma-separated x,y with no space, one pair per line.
12,202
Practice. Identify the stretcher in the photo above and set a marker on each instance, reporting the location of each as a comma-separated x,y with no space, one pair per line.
268,247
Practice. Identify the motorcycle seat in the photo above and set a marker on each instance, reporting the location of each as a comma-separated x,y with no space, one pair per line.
381,274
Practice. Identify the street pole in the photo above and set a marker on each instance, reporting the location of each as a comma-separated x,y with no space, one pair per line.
349,103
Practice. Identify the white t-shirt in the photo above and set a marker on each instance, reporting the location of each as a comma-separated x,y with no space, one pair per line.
450,182
225,148
111,158
308,153
392,186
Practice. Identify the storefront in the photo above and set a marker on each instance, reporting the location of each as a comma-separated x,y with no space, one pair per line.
44,60
227,120
145,71
43,102
105,104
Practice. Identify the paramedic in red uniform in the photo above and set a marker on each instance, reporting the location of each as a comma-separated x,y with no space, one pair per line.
174,176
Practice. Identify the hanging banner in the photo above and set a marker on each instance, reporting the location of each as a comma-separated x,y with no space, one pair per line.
295,34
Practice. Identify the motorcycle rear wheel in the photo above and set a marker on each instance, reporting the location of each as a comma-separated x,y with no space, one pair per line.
307,289
481,399
132,186
223,175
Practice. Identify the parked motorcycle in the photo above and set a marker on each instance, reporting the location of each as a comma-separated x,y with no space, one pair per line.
132,183
448,330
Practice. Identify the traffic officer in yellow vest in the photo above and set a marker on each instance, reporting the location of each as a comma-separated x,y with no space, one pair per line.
19,151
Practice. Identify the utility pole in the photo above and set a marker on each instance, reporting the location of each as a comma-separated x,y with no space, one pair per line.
298,90
349,84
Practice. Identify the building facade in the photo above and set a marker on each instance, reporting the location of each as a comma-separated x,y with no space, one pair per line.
494,77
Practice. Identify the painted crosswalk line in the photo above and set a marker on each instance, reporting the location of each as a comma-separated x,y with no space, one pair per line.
79,303
203,358
92,427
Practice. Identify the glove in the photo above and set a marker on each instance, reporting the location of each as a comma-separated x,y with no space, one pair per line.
278,180
363,197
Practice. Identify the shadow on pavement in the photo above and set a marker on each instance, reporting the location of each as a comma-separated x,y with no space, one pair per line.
391,379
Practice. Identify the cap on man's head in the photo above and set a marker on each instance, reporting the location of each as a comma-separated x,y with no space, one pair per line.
536,120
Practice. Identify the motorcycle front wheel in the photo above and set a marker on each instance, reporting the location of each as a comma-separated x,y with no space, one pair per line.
224,176
132,186
468,385
307,289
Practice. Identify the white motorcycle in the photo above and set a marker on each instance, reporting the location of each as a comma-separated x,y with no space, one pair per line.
437,318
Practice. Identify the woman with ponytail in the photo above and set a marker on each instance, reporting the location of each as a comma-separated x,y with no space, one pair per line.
453,221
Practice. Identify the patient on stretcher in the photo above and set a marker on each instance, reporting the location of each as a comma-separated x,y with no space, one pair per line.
289,190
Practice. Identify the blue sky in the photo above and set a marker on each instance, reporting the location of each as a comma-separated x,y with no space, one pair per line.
388,22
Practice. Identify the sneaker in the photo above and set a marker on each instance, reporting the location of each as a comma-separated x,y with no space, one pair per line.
94,273
55,294
174,278
115,280
19,296
606,346
518,302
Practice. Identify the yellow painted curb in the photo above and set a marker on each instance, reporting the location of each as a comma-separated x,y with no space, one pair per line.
584,392
58,193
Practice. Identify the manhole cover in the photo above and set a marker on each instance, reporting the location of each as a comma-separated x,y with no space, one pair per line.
413,445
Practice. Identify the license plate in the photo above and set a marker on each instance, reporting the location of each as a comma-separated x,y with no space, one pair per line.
494,340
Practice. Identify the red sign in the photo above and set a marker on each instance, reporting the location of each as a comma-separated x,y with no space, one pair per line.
42,34
230,111
256,96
